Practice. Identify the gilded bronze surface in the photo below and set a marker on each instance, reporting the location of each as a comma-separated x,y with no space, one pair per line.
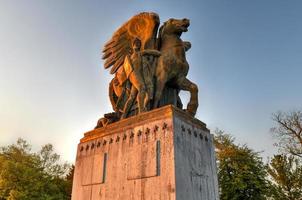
149,67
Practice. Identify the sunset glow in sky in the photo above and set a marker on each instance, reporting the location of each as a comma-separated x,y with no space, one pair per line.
246,58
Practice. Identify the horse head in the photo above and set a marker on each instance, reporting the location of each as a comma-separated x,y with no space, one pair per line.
174,27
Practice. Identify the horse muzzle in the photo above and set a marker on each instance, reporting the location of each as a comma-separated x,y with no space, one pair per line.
185,24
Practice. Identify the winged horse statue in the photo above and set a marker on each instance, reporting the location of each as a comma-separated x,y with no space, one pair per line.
149,66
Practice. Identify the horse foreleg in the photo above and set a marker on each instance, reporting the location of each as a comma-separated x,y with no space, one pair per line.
187,85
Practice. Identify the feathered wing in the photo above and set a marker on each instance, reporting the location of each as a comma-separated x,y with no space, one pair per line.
143,26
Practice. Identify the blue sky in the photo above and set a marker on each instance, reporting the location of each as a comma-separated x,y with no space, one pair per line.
245,58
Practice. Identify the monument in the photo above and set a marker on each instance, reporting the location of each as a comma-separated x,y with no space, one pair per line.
149,147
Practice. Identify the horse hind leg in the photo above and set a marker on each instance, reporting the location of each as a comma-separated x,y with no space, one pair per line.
187,85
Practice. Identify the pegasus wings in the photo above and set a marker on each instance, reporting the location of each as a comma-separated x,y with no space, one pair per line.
143,26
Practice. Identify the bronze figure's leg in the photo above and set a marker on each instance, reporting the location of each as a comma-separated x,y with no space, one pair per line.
148,78
138,83
129,102
187,85
140,101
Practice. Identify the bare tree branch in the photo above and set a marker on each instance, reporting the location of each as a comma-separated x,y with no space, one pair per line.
289,131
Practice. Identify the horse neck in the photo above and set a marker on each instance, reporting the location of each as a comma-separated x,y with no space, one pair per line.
174,45
170,41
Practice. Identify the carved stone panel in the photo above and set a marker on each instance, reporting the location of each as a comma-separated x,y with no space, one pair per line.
143,161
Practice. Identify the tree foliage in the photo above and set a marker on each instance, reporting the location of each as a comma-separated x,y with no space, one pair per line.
25,175
286,175
285,170
289,131
241,172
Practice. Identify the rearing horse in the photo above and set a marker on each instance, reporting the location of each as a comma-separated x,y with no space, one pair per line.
172,67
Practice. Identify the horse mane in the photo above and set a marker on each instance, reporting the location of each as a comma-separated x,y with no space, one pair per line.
159,39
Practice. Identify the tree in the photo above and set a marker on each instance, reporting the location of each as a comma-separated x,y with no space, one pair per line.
286,175
285,170
25,175
241,172
69,179
289,131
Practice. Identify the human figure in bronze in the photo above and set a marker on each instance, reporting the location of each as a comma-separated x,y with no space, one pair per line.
148,68
150,57
133,69
139,70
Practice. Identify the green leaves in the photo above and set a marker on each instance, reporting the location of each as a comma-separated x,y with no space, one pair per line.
241,172
25,175
286,175
285,170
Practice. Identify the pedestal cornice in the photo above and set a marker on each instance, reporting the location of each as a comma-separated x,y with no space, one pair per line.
143,118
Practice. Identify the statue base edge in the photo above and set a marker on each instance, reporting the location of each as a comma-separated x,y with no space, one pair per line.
161,154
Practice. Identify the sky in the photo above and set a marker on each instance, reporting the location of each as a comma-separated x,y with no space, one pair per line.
245,58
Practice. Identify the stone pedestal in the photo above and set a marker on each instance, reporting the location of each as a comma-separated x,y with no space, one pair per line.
163,154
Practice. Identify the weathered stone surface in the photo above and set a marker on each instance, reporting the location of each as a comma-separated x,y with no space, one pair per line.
162,154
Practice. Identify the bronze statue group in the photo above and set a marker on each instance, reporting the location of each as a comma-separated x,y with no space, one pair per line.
149,67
